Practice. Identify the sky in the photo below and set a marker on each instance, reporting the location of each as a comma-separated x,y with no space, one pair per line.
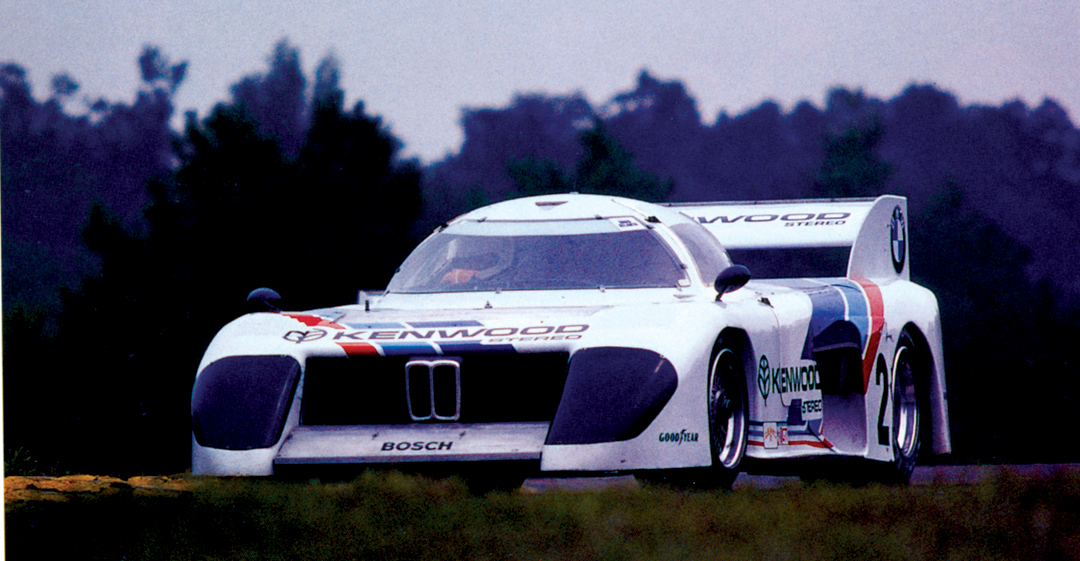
418,64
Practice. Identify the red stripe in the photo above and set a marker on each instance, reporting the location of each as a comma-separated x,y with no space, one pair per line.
812,443
313,321
815,444
877,321
359,349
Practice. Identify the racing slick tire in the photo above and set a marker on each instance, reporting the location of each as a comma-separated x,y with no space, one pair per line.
728,427
906,410
728,410
907,398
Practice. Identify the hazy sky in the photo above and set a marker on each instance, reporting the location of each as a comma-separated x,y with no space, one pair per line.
417,64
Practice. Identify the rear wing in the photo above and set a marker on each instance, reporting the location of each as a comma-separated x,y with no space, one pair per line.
875,230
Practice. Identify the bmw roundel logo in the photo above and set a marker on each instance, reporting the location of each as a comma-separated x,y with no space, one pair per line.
898,239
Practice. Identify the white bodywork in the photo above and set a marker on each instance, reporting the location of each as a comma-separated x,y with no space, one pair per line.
788,413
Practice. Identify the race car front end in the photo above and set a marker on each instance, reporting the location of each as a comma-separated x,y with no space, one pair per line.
577,389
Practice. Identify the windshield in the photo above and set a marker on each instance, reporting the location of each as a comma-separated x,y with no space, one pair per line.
489,256
704,249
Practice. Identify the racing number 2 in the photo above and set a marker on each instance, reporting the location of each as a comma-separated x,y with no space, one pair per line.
882,379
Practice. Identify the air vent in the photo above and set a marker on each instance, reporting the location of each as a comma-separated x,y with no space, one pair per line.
433,389
497,387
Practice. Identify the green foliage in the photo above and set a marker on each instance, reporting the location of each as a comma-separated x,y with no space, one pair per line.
18,461
1006,339
63,86
28,386
538,177
441,206
57,164
851,168
394,516
309,199
157,71
605,167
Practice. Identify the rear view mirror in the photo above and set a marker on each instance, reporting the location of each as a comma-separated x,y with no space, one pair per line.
267,296
731,279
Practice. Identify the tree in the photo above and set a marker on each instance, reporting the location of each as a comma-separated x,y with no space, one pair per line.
533,128
659,124
605,167
61,171
1007,340
239,212
57,163
534,176
851,168
275,102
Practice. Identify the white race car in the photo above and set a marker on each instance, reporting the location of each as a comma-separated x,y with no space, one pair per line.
585,333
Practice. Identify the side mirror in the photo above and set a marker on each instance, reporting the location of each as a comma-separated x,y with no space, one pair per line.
267,296
731,279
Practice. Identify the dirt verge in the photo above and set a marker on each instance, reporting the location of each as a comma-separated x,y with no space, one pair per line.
61,489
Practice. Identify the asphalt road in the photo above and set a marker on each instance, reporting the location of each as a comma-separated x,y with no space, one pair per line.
924,475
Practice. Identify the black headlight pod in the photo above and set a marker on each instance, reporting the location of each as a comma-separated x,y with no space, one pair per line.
240,402
611,394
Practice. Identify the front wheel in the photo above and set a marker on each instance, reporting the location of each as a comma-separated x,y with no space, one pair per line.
728,406
728,410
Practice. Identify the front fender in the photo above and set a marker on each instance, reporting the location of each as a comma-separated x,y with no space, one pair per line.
612,394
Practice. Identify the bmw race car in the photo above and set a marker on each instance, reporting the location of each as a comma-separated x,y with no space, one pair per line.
595,334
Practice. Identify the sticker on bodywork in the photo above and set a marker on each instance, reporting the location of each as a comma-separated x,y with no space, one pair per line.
857,302
443,337
627,224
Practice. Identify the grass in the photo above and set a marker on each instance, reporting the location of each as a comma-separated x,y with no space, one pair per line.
391,516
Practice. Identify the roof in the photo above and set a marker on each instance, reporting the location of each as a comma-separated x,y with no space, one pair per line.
572,206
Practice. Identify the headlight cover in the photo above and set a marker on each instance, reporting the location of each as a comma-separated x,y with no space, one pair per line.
612,394
240,402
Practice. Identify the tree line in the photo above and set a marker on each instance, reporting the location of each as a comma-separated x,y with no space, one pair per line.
127,245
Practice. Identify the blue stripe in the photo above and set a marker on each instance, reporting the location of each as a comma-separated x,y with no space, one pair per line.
858,310
829,307
398,349
328,313
383,325
475,347
461,323
839,299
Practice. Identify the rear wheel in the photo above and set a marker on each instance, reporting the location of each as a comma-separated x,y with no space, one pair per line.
727,414
906,411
